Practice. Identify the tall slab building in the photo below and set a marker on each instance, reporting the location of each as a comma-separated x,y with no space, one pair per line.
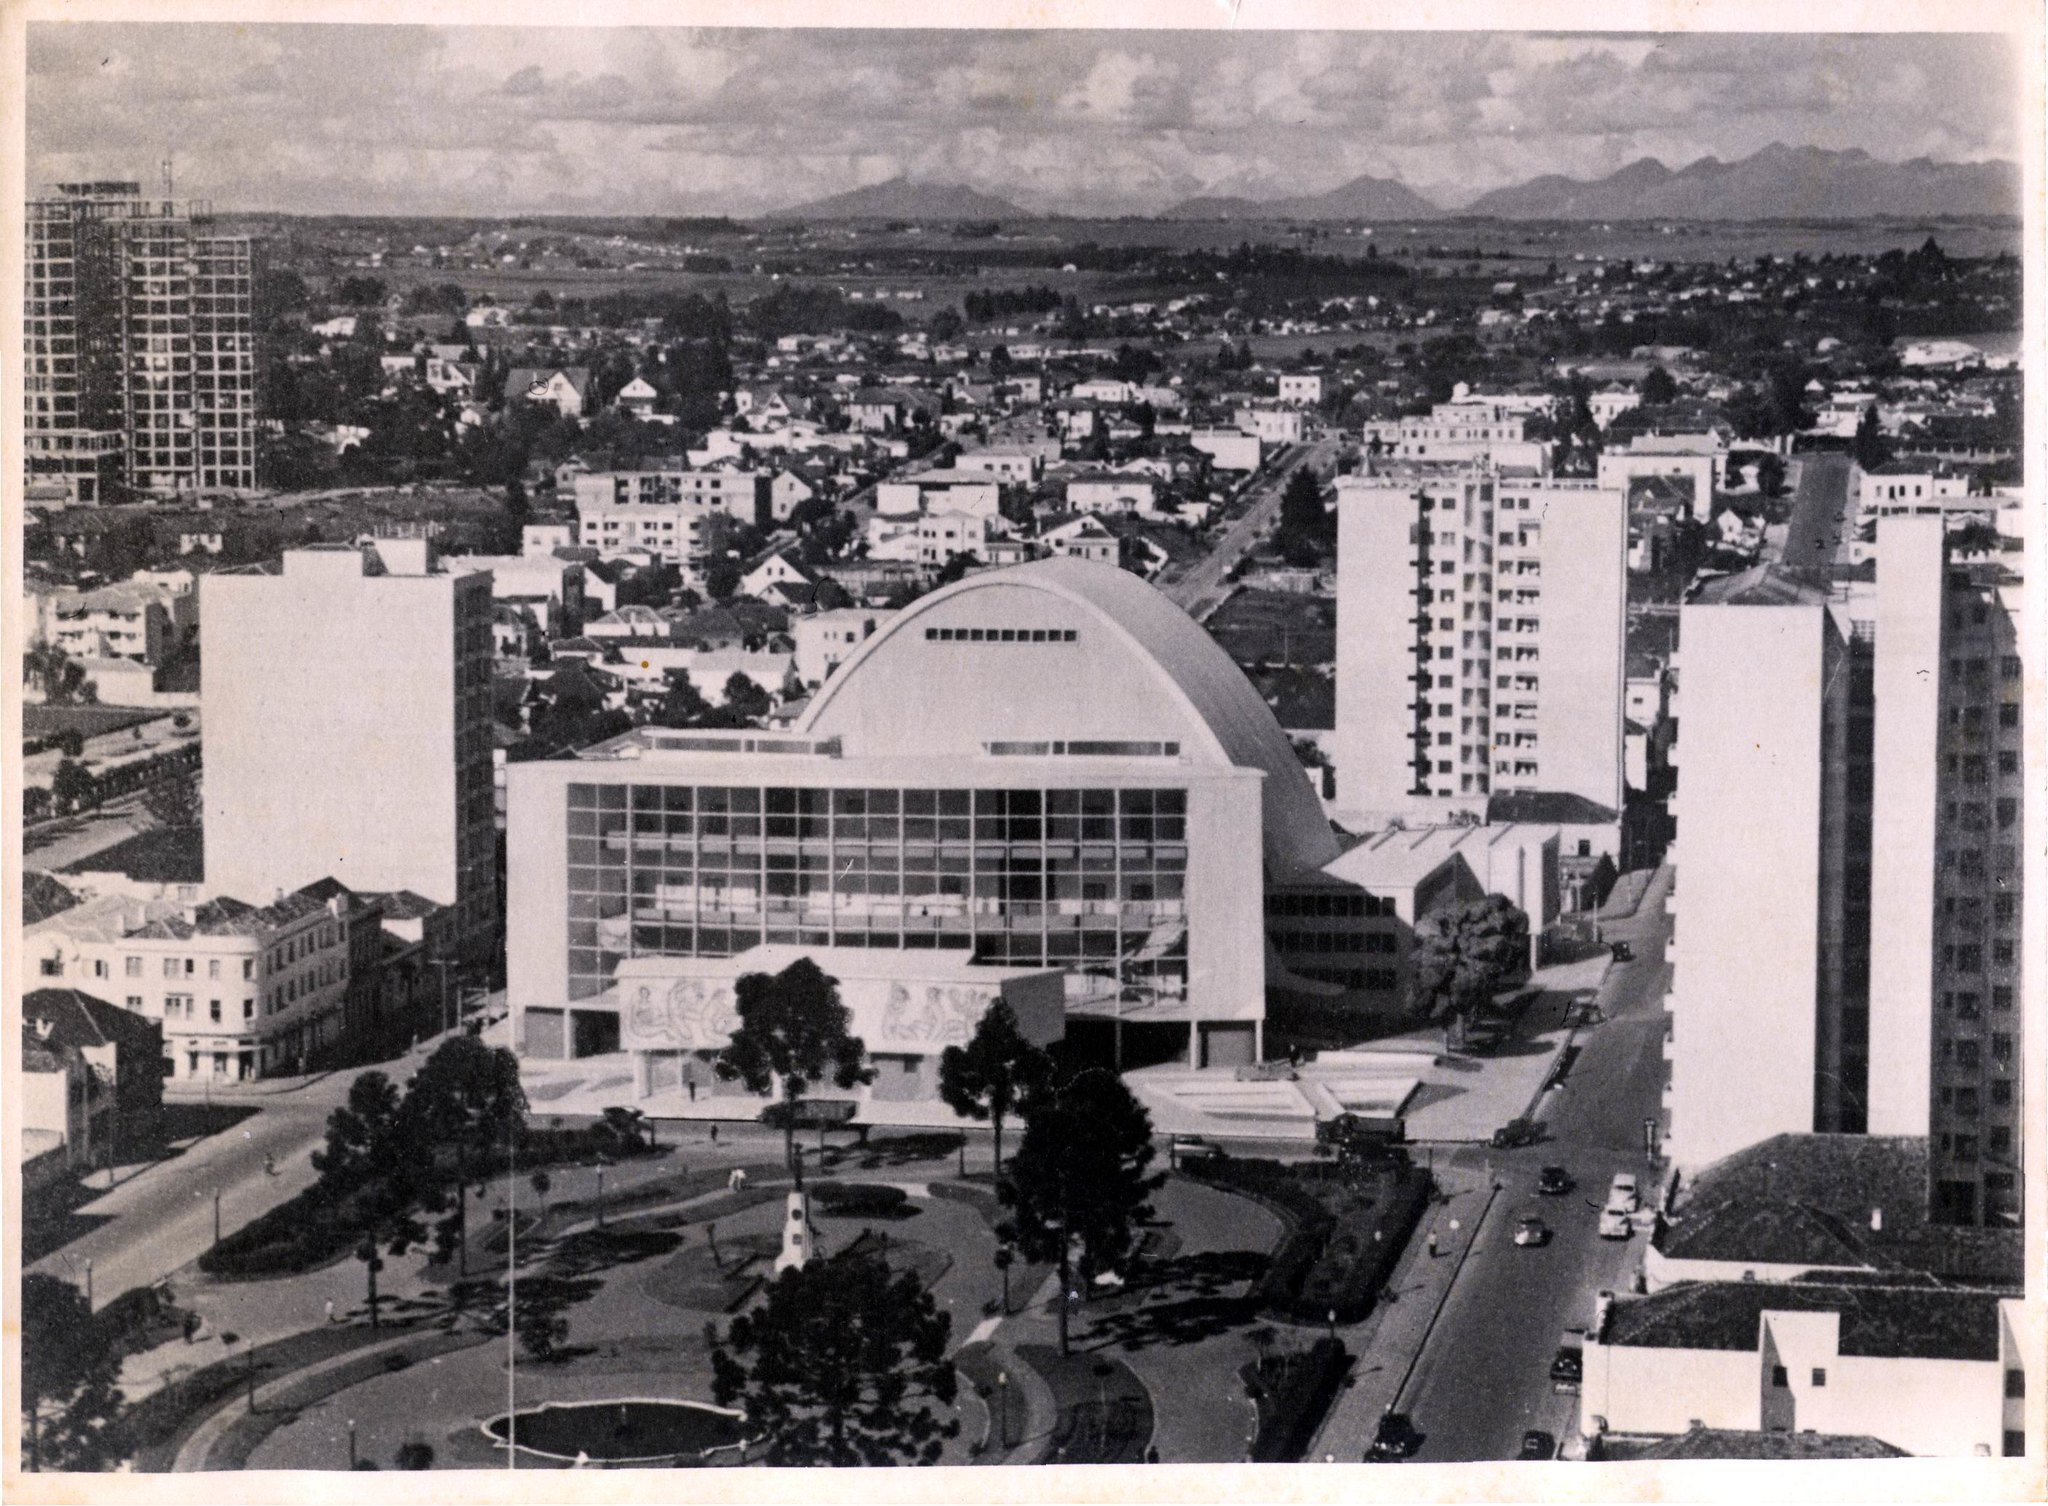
346,705
139,356
1851,796
1481,621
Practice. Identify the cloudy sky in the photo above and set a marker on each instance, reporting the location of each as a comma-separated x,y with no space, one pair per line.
476,120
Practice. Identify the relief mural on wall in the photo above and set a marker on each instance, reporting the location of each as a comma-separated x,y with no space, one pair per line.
699,1014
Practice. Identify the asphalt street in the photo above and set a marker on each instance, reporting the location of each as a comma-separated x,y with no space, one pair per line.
1203,588
1483,1376
1820,509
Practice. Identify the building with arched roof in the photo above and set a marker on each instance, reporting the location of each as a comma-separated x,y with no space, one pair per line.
1048,769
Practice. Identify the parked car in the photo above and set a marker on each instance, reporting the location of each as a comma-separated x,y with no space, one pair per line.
1623,952
1516,1133
1621,1193
1532,1231
1537,1444
1192,1148
1568,1368
1553,1181
1394,1440
1615,1224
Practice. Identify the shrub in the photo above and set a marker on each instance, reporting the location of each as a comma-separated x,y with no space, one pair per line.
1293,1391
859,1199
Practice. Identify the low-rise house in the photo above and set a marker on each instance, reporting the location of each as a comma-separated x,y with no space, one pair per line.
782,567
1272,425
566,389
1228,449
122,1111
1083,538
1929,1369
1303,388
826,640
1105,492
638,398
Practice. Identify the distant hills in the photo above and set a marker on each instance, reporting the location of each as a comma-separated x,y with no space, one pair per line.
901,199
1779,182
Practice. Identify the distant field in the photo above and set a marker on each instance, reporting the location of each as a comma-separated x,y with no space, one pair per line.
91,721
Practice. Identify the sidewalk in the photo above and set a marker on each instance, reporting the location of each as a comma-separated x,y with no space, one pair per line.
1386,1345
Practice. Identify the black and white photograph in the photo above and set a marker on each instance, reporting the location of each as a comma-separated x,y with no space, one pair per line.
1244,743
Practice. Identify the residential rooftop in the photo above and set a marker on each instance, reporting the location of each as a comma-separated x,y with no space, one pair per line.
1913,1321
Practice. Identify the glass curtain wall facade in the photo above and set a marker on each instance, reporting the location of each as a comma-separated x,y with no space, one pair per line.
1091,880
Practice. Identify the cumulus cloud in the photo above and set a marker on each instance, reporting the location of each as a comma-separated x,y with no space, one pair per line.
495,119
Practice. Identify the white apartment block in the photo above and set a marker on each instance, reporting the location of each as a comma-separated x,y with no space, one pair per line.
949,490
1948,778
1479,651
1019,467
1305,388
1617,468
242,991
663,512
1761,811
1468,430
1899,490
347,705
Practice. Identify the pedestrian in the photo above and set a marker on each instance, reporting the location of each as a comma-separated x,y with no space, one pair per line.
714,1132
1432,1244
693,1090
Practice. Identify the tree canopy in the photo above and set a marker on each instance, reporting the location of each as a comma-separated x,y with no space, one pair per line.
1465,955
70,1402
1080,1177
996,1071
841,1364
793,1034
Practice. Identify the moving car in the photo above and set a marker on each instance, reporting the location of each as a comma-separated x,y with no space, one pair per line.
1552,1181
1537,1444
1568,1368
1621,1193
1532,1231
1394,1441
1614,1224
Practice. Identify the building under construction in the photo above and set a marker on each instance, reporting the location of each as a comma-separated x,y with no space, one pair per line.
140,348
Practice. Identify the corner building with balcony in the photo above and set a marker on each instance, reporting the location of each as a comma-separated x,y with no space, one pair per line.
1046,768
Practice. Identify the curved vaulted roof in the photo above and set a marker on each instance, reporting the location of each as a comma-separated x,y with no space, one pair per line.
1221,718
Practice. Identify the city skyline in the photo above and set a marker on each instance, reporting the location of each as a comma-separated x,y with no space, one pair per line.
464,120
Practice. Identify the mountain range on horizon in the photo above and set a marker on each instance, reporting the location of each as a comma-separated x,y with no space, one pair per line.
1777,182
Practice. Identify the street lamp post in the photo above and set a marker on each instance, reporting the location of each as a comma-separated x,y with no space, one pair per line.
600,1194
351,1443
1003,1398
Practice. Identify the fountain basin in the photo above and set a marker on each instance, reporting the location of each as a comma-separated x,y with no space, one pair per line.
624,1430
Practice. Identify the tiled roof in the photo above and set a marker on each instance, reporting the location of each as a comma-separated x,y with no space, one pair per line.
79,1019
1548,808
1800,1199
1733,1443
1878,1322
